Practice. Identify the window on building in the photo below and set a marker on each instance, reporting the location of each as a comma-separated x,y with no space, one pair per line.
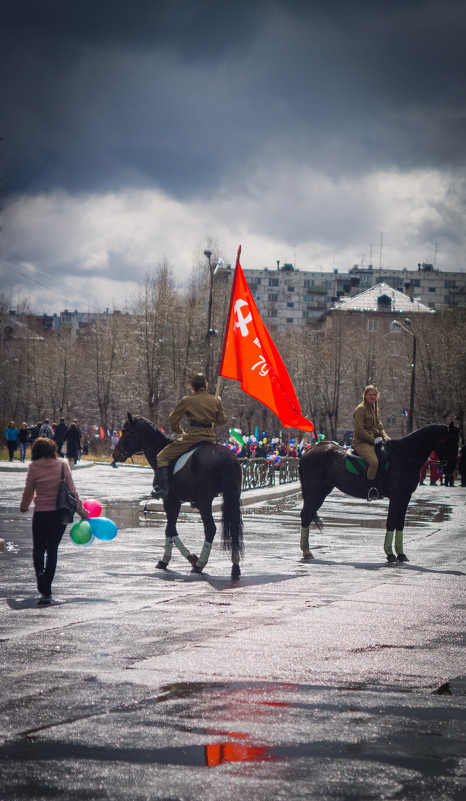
449,284
394,329
273,312
273,296
372,325
273,281
289,319
291,289
432,289
290,304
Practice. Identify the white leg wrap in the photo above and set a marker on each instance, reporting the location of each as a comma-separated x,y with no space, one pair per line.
204,555
235,557
304,543
182,548
167,554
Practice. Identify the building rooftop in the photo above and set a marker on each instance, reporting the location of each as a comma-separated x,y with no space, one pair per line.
382,297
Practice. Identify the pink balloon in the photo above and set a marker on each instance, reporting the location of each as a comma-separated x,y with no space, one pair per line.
93,507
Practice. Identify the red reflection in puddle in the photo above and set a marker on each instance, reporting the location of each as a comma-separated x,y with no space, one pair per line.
220,753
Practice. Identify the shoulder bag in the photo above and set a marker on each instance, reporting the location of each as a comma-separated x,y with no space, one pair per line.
66,502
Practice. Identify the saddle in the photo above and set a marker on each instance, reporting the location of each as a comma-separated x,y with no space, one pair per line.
356,465
177,464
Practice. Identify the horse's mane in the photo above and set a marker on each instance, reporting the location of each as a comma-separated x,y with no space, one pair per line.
151,432
416,443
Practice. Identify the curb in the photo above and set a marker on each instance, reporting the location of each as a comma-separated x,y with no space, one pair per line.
247,497
21,467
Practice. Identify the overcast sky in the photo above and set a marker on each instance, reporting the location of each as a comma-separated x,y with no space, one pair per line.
140,131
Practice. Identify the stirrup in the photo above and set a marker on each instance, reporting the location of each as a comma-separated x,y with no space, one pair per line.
160,493
373,494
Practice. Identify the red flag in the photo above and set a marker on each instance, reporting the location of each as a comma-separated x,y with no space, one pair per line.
250,356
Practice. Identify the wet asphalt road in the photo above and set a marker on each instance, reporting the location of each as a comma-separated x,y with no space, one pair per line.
300,681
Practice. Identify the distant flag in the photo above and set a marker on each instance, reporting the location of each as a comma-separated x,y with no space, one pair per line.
250,356
237,437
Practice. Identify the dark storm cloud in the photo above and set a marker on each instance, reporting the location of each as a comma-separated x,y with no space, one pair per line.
186,96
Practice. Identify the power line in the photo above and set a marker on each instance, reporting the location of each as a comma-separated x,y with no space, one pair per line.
66,292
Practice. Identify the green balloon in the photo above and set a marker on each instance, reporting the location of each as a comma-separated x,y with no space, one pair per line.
81,532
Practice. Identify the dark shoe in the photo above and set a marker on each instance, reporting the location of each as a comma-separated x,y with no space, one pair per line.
44,600
373,494
162,489
114,464
402,557
391,557
42,584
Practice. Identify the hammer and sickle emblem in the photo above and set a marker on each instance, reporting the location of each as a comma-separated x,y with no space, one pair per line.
240,321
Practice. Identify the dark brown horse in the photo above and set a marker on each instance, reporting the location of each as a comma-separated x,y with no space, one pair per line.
210,471
323,467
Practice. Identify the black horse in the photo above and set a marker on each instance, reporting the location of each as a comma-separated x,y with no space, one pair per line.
211,470
323,467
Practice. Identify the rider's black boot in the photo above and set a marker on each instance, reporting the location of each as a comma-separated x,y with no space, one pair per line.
162,488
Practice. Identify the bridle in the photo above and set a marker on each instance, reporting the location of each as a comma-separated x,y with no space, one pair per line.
125,454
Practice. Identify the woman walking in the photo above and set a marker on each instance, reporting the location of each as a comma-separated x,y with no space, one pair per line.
23,439
72,438
42,483
11,436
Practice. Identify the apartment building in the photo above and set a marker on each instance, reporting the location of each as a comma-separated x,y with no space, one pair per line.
289,297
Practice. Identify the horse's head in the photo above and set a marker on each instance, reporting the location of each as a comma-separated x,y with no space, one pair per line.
130,441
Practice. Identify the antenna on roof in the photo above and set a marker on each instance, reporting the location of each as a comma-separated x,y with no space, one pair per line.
380,254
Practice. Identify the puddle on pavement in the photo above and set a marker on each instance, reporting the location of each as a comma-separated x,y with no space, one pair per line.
130,514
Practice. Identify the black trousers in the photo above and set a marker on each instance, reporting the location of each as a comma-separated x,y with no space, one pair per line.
47,531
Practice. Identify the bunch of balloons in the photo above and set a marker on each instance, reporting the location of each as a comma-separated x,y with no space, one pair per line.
84,532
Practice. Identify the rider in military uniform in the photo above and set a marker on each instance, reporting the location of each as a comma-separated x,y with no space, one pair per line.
203,412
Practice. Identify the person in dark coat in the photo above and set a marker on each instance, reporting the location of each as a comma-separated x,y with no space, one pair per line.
72,438
59,435
23,439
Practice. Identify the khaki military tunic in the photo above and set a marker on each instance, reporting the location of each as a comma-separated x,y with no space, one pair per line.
367,426
203,412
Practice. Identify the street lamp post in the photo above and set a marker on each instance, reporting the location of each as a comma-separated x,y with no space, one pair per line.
413,372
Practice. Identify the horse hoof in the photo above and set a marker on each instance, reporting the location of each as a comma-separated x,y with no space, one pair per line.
235,571
308,555
402,557
196,569
161,565
193,559
391,557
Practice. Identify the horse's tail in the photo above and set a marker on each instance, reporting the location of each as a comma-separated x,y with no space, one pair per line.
232,519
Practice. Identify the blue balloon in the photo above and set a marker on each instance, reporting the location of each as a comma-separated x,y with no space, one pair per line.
103,528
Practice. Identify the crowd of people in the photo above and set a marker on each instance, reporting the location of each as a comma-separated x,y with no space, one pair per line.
69,436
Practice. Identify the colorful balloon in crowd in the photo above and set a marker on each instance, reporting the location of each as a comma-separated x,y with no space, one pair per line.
93,507
103,528
81,534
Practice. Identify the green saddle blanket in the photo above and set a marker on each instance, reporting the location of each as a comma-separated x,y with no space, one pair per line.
357,466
